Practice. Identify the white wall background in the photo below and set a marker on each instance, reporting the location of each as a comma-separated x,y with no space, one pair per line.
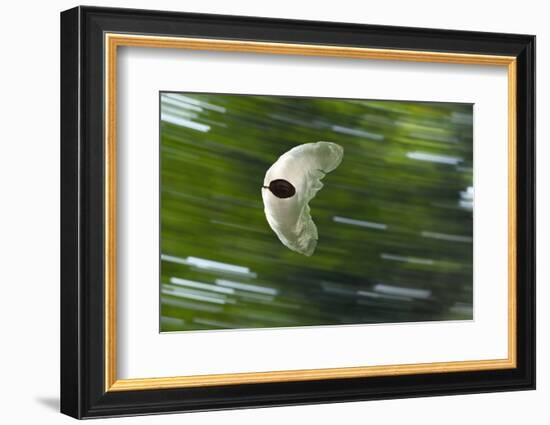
29,210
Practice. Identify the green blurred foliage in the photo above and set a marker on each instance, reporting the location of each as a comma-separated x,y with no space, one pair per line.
394,220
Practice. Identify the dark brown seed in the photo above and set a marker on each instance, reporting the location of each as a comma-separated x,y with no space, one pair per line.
282,188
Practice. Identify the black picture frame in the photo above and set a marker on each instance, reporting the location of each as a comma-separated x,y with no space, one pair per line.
83,392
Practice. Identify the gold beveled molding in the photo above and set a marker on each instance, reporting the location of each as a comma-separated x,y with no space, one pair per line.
113,41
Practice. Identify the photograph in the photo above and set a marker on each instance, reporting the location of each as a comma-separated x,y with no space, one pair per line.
279,211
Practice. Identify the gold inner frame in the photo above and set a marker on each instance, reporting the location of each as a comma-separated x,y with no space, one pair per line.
113,41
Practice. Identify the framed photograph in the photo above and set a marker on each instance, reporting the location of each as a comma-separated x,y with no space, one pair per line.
261,212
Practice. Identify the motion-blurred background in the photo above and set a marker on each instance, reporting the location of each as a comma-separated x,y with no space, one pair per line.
394,219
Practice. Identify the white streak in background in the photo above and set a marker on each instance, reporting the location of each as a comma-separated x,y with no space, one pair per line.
192,296
461,308
210,265
441,159
360,223
392,257
358,133
173,259
466,200
190,305
200,285
182,122
195,102
255,297
446,237
179,112
175,100
468,193
183,290
172,320
467,205
403,292
387,296
247,287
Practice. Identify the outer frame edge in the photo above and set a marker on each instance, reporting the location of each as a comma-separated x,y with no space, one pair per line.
103,406
70,348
